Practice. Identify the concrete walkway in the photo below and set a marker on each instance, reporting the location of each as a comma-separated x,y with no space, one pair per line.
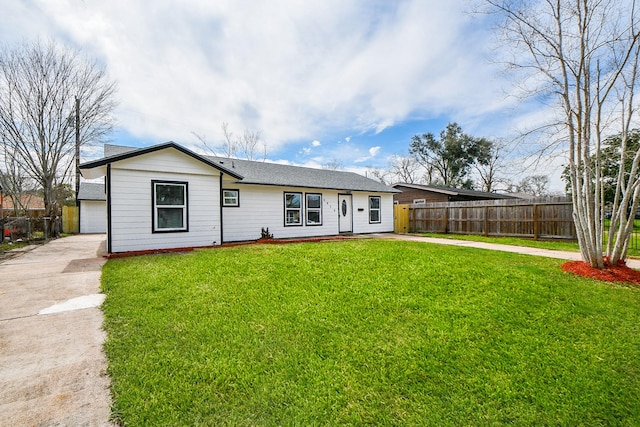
52,367
569,256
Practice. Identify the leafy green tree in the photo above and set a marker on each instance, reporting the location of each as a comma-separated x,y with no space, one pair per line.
448,159
610,160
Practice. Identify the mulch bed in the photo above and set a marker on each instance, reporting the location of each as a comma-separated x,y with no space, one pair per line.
610,273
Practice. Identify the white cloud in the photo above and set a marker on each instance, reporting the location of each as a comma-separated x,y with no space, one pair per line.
290,69
373,152
316,143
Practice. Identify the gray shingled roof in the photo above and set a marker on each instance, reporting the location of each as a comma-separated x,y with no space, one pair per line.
114,150
264,173
455,191
91,191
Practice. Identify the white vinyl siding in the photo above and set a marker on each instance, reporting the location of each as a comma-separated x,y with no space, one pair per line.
262,206
132,204
93,216
361,222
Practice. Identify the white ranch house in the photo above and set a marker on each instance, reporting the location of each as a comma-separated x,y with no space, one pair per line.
168,197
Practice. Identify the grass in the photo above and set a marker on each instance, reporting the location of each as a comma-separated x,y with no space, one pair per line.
367,332
9,246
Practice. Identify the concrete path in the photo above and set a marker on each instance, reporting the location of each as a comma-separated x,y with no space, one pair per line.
52,367
569,256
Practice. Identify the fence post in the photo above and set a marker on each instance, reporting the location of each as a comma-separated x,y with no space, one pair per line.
485,224
412,213
446,220
536,230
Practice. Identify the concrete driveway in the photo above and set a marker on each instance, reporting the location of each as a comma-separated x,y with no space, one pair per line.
52,367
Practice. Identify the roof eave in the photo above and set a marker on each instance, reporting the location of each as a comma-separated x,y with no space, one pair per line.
94,165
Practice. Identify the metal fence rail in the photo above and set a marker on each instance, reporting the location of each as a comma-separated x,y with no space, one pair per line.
30,229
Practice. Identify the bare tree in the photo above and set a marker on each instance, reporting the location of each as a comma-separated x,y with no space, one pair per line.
491,170
405,169
203,140
535,185
38,87
583,54
333,165
230,145
247,144
15,184
378,174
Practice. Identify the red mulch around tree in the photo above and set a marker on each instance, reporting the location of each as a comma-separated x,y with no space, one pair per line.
610,273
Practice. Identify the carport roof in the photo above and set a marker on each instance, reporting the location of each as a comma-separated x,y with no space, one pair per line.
92,191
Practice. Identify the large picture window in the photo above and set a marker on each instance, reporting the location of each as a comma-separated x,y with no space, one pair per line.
374,209
169,206
314,209
231,198
292,209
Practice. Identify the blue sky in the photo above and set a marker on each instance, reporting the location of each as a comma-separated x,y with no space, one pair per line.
321,80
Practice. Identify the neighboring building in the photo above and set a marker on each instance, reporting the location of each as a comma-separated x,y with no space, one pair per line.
93,207
28,204
421,194
166,196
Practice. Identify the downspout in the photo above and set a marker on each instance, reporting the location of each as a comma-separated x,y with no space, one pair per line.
221,212
108,183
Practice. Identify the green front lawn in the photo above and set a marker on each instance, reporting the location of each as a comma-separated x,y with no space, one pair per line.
370,332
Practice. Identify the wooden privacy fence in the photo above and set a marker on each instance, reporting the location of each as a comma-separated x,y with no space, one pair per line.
70,219
548,218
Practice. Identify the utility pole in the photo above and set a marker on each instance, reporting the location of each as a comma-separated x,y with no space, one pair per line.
77,150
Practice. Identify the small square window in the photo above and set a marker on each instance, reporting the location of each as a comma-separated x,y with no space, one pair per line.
231,198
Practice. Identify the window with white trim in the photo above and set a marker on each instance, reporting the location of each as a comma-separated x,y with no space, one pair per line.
374,209
292,209
314,208
169,206
231,198
419,201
